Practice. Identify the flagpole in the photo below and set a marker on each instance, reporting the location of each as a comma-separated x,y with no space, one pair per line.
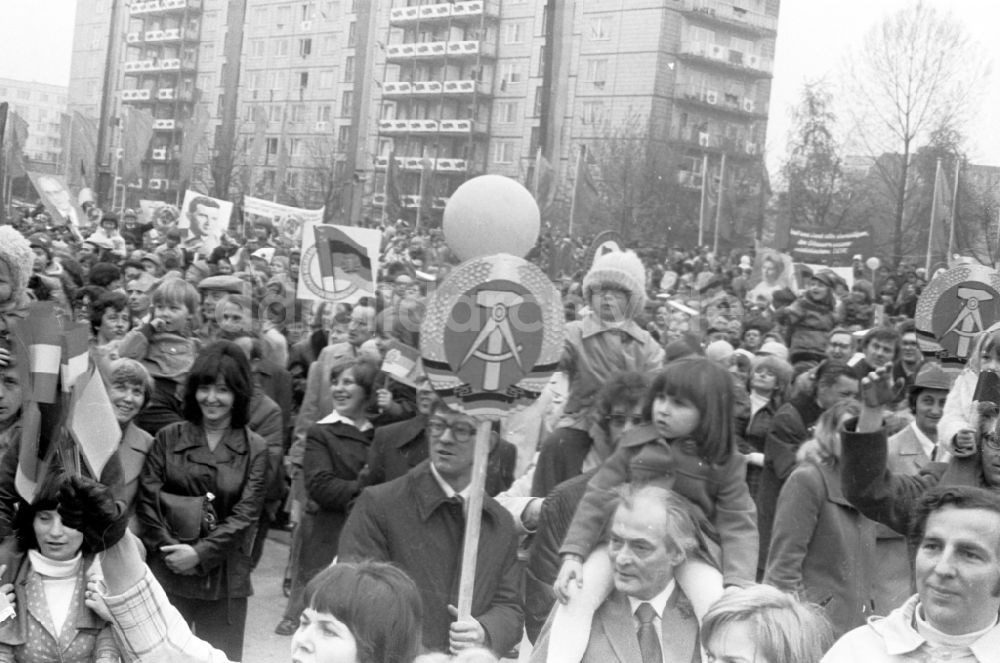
535,180
576,185
704,192
954,208
934,203
718,206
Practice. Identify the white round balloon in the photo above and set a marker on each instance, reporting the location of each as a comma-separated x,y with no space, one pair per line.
873,263
491,214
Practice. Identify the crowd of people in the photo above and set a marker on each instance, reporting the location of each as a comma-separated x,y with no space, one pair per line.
738,459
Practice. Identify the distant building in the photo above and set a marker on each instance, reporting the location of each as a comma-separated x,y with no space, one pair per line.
42,106
325,91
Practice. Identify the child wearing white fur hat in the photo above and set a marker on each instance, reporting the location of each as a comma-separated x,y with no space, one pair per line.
16,262
605,342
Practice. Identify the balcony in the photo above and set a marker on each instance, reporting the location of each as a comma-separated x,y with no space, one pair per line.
161,36
443,165
407,126
433,50
140,66
165,124
462,127
159,154
738,147
176,64
710,99
689,179
153,7
723,13
727,59
159,184
411,201
398,89
135,95
470,10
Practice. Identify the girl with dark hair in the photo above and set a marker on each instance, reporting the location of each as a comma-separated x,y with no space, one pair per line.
690,448
200,497
336,450
52,622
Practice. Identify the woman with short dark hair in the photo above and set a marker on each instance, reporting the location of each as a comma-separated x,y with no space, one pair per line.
200,497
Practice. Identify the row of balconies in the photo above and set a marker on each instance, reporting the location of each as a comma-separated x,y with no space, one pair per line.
147,7
155,183
156,64
156,36
161,94
419,88
432,50
458,127
410,201
707,96
442,165
728,57
728,14
737,146
444,11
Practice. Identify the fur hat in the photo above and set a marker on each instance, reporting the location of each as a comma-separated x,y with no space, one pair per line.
621,269
16,252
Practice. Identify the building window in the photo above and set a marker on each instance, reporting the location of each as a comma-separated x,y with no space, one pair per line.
329,45
599,29
274,113
257,48
507,112
513,33
349,69
541,61
597,70
351,34
305,47
292,179
278,80
295,147
344,136
272,146
347,103
279,48
303,80
267,179
593,112
324,113
326,79
299,113
503,151
308,11
510,73
260,16
283,18
537,110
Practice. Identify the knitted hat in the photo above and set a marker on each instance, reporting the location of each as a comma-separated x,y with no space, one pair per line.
621,269
16,252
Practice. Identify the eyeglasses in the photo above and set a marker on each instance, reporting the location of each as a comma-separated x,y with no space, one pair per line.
620,420
991,442
460,430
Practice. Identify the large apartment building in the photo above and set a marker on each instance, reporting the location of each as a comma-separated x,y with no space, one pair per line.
309,99
42,106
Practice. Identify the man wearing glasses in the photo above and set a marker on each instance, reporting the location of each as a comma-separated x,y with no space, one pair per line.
418,522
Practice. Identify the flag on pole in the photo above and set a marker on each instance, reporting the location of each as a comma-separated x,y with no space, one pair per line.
585,191
543,182
393,198
92,422
17,138
341,258
75,354
194,133
937,241
44,352
136,136
402,362
82,149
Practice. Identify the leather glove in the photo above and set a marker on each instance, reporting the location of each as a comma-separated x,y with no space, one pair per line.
89,507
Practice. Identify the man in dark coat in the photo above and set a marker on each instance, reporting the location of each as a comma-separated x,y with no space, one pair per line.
417,523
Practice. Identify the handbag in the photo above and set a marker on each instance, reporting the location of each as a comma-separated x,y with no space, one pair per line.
189,517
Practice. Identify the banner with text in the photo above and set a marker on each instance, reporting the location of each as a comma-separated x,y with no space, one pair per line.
829,248
287,221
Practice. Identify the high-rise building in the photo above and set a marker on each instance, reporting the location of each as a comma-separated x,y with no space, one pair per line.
309,99
42,106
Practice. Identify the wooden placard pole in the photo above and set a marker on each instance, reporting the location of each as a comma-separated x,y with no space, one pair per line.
473,520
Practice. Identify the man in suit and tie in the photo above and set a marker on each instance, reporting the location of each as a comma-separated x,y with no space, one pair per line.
908,451
647,618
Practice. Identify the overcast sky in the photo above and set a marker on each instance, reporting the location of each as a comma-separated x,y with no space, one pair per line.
813,36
